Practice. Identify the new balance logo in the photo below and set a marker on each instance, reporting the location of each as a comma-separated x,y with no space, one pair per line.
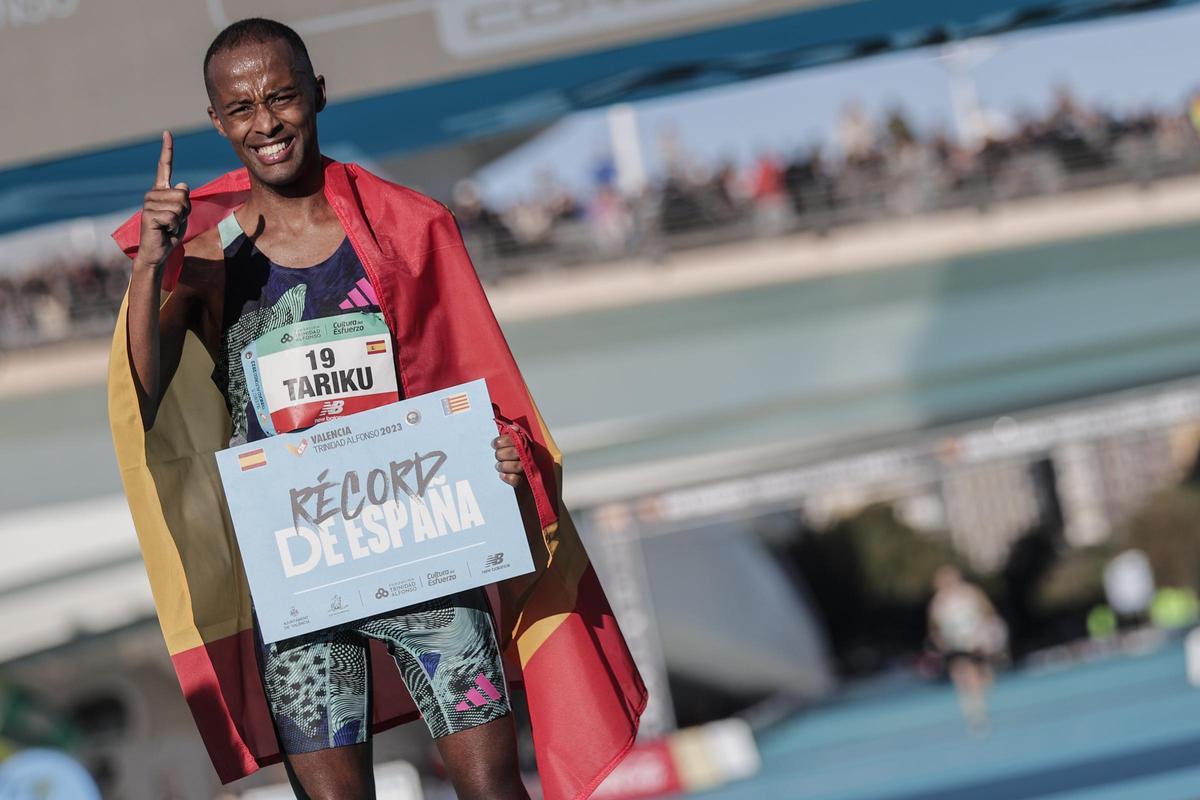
494,559
361,295
331,408
476,699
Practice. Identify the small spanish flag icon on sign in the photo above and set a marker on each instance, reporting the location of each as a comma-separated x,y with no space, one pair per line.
251,459
376,346
456,404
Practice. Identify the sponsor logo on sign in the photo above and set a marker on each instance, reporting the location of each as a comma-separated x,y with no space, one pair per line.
287,337
440,576
337,604
252,459
298,449
412,417
403,587
495,563
381,593
295,612
330,435
456,404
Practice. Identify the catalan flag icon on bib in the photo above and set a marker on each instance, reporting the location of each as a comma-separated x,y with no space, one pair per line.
376,346
456,404
251,459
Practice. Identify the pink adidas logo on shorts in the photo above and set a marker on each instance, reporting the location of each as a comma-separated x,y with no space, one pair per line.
475,697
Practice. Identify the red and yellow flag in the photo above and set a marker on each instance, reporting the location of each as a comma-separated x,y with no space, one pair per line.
583,690
252,458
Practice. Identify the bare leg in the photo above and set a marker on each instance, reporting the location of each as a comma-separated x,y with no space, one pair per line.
339,773
971,681
482,761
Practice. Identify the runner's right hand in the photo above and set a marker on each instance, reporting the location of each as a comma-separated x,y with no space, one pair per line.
165,211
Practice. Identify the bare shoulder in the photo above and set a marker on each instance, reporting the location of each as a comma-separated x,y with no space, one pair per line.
203,264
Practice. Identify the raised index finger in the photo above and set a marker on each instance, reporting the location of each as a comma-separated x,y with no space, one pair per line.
163,179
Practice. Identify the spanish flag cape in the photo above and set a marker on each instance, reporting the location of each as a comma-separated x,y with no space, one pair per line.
558,633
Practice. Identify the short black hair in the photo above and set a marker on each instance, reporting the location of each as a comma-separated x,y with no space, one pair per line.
253,30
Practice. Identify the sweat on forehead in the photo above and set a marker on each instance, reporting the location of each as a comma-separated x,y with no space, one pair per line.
255,30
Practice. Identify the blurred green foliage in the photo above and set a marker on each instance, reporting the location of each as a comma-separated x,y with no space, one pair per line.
1167,529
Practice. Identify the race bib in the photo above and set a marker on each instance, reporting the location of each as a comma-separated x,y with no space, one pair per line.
315,370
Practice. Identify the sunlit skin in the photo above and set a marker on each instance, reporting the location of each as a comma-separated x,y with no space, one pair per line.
263,95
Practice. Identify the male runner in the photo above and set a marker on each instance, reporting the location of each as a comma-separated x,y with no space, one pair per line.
283,257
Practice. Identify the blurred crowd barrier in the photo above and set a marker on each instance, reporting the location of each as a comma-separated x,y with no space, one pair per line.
62,301
883,170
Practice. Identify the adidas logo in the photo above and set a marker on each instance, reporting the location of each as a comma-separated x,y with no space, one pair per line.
475,697
361,295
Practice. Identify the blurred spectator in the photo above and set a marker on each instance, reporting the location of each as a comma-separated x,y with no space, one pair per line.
611,222
970,636
856,135
483,231
769,195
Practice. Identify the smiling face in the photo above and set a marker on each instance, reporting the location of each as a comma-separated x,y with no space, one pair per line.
265,101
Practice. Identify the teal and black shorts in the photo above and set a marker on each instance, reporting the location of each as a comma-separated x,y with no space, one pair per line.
317,684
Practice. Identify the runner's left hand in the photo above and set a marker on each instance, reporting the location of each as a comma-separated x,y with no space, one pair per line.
508,460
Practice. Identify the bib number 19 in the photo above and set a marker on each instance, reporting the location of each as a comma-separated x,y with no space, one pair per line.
313,370
326,355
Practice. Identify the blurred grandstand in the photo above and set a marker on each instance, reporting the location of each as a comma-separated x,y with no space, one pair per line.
996,369
878,169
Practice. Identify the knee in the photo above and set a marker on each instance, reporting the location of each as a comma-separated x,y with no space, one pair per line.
484,784
337,790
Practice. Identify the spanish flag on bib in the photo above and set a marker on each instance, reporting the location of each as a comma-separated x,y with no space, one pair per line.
583,690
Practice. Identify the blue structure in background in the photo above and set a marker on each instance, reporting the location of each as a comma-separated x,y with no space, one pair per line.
389,124
1120,729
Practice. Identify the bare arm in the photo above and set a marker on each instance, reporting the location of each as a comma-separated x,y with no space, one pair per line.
155,333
